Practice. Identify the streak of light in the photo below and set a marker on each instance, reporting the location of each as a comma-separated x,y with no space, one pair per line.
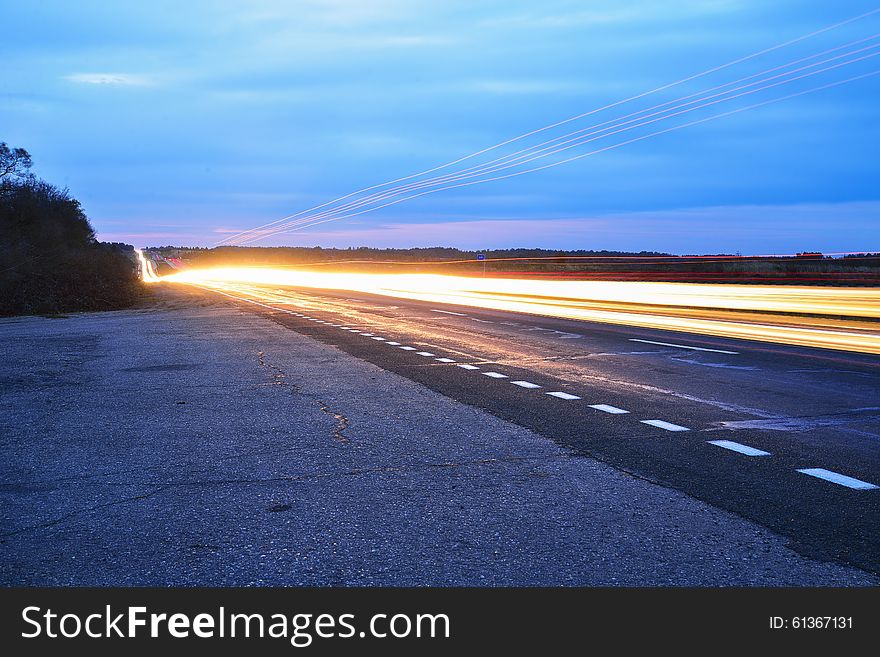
661,259
578,138
309,223
664,87
753,312
148,273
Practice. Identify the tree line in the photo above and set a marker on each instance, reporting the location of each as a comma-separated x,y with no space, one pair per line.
803,268
50,260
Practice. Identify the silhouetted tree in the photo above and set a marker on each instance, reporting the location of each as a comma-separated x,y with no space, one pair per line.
14,162
50,260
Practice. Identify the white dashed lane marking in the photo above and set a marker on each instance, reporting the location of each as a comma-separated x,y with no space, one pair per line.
684,346
665,425
605,408
563,395
837,478
819,473
738,447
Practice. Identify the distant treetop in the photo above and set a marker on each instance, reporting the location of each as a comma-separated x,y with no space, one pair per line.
15,163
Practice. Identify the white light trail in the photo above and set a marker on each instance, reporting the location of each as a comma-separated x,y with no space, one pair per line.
284,224
585,135
799,315
600,150
148,274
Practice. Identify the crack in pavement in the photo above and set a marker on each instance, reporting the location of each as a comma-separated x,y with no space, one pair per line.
291,478
67,516
279,377
342,422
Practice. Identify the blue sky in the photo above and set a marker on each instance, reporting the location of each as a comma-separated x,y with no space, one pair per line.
176,123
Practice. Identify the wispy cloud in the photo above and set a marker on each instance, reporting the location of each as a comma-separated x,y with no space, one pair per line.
675,231
403,40
524,86
285,41
638,12
338,13
375,144
138,237
110,79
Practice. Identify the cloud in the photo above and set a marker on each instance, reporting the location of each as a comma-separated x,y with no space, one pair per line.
406,40
110,79
341,13
285,41
524,86
136,236
637,12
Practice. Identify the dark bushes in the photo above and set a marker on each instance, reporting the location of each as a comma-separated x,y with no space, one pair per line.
50,261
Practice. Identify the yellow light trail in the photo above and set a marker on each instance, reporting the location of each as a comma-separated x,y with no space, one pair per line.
826,317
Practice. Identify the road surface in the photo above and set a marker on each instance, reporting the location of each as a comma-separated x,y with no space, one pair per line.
786,436
206,441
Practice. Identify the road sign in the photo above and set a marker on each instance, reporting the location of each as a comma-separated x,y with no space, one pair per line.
481,256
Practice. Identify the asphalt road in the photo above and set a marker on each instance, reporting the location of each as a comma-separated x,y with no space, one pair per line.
205,441
785,436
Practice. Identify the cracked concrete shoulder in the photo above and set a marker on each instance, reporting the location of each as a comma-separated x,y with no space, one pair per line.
279,377
73,514
354,472
342,422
